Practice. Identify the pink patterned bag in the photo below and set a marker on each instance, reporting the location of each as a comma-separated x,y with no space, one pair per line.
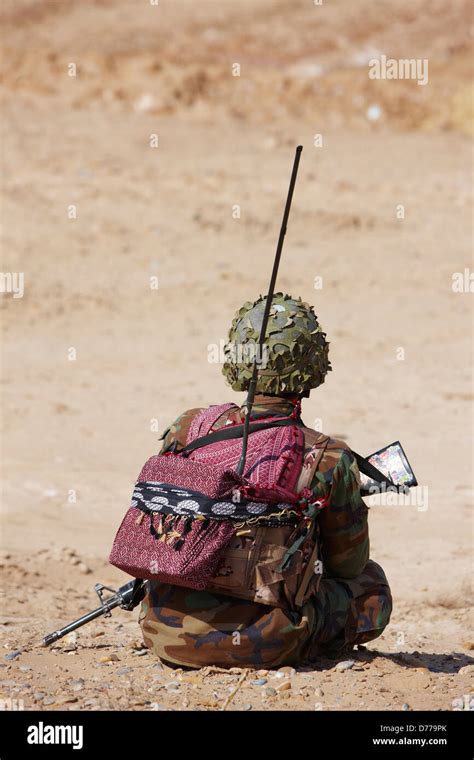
185,509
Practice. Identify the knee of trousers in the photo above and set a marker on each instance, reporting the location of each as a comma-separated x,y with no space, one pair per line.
370,611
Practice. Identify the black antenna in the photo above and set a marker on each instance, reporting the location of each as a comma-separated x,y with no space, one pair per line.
271,290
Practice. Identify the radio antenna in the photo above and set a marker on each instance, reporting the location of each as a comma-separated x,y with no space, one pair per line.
258,354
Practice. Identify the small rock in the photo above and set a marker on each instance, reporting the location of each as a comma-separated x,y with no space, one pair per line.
49,700
70,641
39,695
172,686
141,652
25,668
13,655
466,670
287,671
345,665
457,703
269,691
77,684
318,692
285,686
468,645
134,644
405,706
259,682
247,707
124,671
84,568
109,658
63,700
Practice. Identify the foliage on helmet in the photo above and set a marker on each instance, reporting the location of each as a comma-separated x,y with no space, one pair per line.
295,356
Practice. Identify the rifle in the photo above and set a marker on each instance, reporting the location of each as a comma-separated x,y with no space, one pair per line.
131,594
126,597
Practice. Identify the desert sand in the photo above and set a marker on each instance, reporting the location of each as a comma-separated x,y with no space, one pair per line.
96,361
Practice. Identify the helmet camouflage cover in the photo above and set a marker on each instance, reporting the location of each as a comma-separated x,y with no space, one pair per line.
295,355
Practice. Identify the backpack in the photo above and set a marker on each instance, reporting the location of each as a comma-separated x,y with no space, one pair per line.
195,522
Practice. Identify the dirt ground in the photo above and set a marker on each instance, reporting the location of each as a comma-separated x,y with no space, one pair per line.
96,362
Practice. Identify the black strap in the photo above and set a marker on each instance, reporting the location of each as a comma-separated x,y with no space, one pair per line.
236,431
372,472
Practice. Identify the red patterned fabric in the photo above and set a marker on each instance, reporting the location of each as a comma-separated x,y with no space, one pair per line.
274,458
179,521
140,553
203,423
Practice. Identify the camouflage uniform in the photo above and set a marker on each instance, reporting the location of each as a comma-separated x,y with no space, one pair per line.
352,605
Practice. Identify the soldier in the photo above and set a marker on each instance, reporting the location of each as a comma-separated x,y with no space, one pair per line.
350,602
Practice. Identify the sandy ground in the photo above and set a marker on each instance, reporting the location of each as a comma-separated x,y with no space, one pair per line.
76,432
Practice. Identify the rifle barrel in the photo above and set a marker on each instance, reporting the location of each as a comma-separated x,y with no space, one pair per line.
108,605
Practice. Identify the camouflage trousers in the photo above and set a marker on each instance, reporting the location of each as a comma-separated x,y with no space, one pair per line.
196,628
350,612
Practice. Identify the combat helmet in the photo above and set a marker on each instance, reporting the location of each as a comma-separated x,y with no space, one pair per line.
295,356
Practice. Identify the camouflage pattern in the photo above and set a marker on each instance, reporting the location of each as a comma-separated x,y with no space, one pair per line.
196,628
352,604
297,350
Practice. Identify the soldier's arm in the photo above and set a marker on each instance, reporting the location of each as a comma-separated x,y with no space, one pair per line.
343,523
178,430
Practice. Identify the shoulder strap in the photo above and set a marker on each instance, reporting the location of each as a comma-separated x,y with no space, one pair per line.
236,431
312,459
372,472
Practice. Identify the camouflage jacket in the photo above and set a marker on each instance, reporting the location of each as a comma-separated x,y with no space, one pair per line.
171,616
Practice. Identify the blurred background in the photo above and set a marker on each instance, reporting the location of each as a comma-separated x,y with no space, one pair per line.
151,144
